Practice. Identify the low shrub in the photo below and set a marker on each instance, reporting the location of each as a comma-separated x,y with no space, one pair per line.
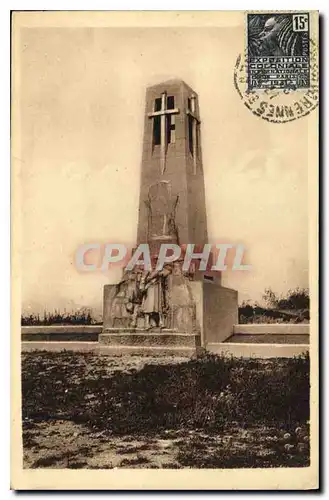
80,317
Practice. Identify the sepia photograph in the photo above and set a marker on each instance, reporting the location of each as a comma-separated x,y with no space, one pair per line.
164,250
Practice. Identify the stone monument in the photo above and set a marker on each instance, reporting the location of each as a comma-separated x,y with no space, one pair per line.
169,310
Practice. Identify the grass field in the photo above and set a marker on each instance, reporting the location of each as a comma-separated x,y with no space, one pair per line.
82,410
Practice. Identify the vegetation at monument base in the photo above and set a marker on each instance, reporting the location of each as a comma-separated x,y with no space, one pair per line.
293,307
211,411
81,317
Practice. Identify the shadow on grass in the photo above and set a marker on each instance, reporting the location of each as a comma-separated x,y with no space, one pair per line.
205,393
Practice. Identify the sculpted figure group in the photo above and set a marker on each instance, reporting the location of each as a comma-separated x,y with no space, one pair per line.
145,294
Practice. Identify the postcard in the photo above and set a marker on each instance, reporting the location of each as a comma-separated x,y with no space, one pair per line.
165,250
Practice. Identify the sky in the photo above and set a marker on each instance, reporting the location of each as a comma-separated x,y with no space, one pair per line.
81,105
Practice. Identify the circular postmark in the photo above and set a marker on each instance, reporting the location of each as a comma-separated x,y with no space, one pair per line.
278,105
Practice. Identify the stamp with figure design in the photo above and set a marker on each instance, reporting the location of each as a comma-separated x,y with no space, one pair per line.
278,48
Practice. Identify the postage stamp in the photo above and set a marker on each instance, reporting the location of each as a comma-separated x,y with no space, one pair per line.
277,75
278,49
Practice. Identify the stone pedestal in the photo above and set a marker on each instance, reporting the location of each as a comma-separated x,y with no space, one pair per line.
216,311
155,342
200,313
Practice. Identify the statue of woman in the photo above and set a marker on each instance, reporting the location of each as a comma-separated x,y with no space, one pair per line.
154,304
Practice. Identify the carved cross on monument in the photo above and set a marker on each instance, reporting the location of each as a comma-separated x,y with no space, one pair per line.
191,112
164,112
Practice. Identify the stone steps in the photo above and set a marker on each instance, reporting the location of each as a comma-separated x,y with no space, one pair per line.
111,341
264,341
268,339
272,328
244,350
110,350
61,333
264,351
275,333
161,341
252,340
150,339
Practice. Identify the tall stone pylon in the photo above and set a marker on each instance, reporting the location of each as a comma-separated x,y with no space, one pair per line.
172,194
171,310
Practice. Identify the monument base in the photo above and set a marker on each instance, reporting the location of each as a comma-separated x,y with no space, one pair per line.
153,342
199,313
216,311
